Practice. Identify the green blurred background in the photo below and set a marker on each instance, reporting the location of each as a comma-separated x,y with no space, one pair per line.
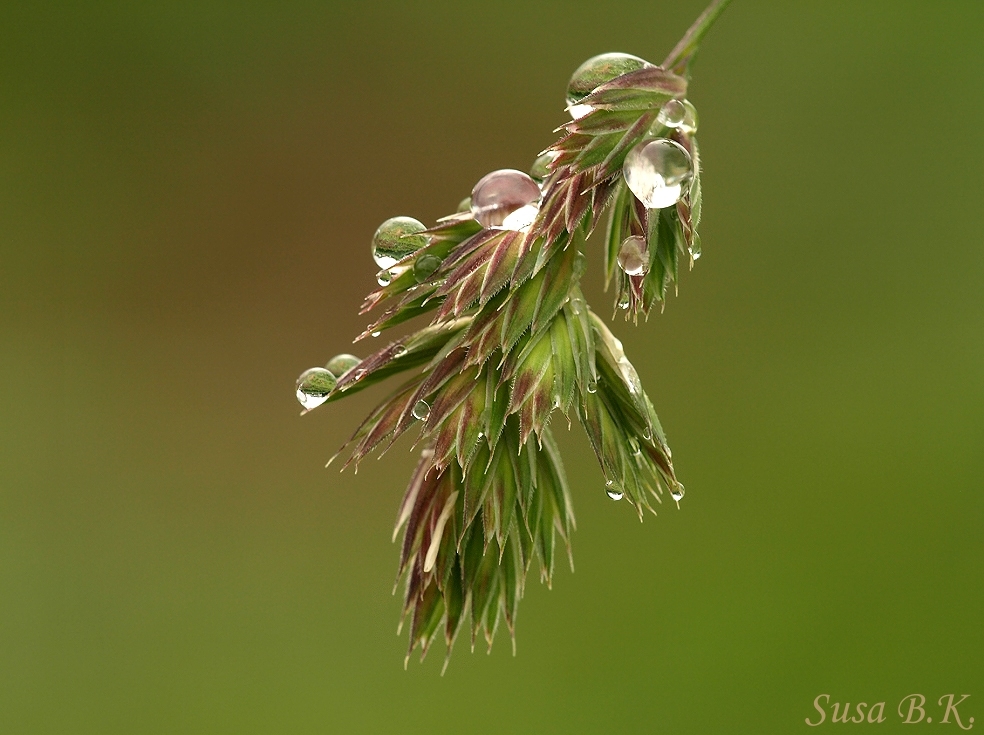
187,192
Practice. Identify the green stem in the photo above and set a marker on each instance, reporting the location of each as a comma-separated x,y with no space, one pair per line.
679,58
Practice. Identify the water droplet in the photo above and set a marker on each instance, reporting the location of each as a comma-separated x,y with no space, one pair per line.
313,387
400,351
384,277
425,266
613,493
592,386
647,435
576,306
656,171
596,71
630,376
464,205
623,303
421,410
580,264
521,219
341,364
632,256
397,238
579,111
673,114
376,333
481,435
677,493
695,247
541,166
689,124
500,193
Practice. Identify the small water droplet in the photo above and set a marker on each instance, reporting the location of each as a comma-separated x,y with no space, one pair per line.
580,264
399,351
421,410
656,171
500,193
623,303
677,493
313,387
481,435
384,277
596,71
579,111
397,238
341,364
521,219
630,376
376,333
592,386
541,166
632,256
614,494
425,266
695,247
672,114
689,124
647,435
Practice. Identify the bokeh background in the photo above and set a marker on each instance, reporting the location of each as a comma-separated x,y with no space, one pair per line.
187,192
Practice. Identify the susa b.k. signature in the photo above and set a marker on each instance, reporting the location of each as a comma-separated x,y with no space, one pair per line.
912,709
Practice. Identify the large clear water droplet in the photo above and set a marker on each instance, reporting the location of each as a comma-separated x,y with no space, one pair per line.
397,238
677,493
689,124
313,387
341,364
421,410
541,166
425,266
672,114
656,171
632,256
500,193
600,69
521,219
